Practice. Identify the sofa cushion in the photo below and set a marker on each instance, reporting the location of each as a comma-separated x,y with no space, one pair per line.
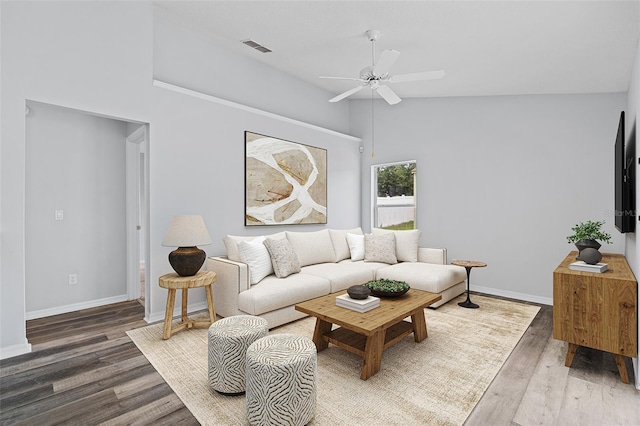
283,258
274,293
356,246
406,243
255,254
380,248
424,276
312,247
341,275
340,244
231,243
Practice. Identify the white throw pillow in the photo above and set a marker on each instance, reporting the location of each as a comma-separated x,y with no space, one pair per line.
312,247
339,241
406,243
283,258
231,243
356,246
256,256
380,248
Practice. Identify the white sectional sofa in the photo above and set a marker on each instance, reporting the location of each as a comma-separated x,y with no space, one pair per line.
329,261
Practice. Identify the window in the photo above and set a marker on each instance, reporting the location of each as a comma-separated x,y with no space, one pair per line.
394,195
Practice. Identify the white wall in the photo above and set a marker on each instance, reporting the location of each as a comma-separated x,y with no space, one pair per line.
501,179
75,162
183,58
206,175
207,139
632,251
98,57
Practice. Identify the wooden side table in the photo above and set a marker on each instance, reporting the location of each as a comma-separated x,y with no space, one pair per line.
468,264
173,282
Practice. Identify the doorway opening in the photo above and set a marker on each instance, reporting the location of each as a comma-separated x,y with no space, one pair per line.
137,213
79,191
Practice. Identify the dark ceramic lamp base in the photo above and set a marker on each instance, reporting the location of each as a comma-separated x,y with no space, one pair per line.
187,261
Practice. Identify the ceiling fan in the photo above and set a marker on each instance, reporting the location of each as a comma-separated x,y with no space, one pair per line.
377,75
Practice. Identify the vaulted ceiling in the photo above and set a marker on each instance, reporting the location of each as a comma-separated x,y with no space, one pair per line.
485,47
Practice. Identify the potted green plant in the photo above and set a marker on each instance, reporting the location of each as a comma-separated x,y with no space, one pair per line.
587,234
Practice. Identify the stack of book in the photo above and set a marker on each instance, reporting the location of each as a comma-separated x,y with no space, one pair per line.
359,305
585,267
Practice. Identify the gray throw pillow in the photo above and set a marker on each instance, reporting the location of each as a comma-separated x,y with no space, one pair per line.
380,248
283,258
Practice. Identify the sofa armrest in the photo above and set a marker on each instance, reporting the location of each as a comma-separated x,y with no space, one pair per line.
230,274
232,279
432,255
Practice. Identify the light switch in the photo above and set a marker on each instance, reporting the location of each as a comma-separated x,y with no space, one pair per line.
59,214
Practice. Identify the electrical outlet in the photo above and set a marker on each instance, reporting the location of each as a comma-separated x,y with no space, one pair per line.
73,279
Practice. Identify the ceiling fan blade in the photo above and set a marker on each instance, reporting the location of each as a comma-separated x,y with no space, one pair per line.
341,78
349,92
385,61
388,95
426,75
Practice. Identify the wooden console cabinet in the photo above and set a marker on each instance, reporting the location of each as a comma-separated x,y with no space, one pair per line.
597,310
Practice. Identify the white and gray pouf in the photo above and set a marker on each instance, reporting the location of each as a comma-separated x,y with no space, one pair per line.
229,339
281,380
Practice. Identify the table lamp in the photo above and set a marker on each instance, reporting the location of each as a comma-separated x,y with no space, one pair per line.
186,232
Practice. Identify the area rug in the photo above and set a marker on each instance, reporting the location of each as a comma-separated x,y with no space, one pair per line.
436,382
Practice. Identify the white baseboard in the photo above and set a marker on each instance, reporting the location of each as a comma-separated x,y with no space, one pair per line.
159,316
75,307
15,350
513,295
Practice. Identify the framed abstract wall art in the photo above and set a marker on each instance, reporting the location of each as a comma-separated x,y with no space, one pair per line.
285,182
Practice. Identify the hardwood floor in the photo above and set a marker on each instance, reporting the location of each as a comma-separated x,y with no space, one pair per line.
84,370
535,388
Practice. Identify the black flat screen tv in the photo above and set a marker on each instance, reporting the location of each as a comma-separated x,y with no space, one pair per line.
625,205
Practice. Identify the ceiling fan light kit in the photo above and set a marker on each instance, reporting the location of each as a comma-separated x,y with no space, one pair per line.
377,76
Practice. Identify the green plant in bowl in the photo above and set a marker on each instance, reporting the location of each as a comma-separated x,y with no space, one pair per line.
589,230
387,288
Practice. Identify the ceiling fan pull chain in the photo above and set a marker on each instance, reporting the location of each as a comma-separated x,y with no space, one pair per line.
373,52
372,132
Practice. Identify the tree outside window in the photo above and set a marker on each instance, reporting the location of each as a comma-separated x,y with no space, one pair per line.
394,188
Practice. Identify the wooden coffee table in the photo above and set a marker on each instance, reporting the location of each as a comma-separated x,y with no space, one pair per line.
368,334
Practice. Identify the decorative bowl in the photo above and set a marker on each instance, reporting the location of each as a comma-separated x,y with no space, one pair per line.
389,293
358,292
387,288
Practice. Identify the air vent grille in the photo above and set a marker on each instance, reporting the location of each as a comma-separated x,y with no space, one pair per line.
256,46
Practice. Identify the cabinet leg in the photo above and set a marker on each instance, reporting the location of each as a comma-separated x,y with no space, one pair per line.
571,352
622,368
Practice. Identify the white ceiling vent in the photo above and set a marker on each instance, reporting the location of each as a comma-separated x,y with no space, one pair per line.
256,46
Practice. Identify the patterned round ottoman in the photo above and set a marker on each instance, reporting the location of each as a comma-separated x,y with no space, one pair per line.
229,339
281,380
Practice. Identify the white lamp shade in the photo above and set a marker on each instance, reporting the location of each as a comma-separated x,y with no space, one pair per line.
186,231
